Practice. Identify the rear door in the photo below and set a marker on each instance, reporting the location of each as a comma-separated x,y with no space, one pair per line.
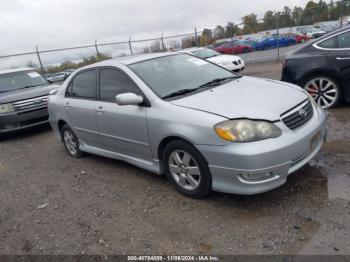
123,129
338,48
80,106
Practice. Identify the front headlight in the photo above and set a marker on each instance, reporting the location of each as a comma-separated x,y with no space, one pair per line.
245,130
6,108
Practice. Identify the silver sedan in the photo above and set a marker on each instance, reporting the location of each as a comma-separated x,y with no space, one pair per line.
205,127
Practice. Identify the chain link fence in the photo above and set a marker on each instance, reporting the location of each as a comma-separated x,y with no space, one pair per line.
315,17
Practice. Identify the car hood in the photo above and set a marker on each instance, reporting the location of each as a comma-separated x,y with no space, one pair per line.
223,58
22,94
247,97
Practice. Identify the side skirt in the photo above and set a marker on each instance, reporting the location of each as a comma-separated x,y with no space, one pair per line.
153,167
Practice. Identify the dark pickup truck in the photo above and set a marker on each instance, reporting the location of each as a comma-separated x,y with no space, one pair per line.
23,99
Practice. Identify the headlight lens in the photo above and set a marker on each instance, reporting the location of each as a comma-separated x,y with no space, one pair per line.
246,130
6,108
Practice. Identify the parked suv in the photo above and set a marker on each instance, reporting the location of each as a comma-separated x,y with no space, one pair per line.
23,99
322,68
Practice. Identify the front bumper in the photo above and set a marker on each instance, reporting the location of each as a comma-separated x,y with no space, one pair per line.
269,161
16,121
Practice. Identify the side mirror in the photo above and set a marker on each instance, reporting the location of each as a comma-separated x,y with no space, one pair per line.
129,99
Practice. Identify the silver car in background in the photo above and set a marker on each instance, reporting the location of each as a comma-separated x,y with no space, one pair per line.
203,126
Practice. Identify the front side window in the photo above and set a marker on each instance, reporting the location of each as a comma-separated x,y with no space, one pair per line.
19,80
83,85
114,82
169,74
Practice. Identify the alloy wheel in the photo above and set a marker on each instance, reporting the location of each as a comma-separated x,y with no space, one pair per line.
70,142
184,170
323,90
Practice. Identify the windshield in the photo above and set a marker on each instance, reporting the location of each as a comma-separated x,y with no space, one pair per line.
205,53
169,74
19,80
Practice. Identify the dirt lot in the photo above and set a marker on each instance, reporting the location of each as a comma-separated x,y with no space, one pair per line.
52,204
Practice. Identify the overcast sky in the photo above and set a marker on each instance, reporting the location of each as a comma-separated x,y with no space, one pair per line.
63,23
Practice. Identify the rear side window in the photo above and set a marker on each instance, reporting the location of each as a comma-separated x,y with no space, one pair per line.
114,82
83,85
339,41
329,43
344,40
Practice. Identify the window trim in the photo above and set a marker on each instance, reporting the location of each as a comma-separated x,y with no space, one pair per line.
146,102
70,84
316,45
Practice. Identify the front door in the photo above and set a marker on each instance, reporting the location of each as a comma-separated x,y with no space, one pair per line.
123,129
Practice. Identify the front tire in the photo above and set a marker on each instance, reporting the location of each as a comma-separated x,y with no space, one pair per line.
326,90
246,50
71,142
187,169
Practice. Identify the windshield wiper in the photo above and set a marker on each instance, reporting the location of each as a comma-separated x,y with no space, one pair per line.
217,81
180,92
29,86
211,83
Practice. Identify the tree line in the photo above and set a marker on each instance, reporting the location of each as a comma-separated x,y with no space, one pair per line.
312,13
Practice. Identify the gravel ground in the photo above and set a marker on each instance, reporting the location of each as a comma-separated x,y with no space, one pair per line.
53,204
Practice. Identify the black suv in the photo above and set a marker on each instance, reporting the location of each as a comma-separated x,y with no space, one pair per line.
322,68
23,99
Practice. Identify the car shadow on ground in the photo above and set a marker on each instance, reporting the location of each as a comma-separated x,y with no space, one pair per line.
25,133
309,184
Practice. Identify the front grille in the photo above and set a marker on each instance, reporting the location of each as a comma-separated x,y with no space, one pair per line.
31,104
238,62
298,116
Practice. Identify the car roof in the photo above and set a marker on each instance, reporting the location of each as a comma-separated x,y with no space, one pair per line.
15,70
127,60
192,49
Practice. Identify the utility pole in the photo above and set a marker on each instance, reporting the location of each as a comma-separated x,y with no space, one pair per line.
40,62
341,13
161,38
278,36
96,47
130,46
196,35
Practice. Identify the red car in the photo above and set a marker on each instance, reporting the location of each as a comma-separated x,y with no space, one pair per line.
300,38
233,48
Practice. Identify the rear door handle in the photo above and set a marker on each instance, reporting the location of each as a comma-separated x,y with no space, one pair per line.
67,105
343,58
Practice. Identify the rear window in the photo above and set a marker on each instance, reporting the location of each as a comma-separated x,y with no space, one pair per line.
19,80
83,85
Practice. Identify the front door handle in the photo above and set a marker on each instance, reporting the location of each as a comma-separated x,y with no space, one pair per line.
343,58
67,105
100,109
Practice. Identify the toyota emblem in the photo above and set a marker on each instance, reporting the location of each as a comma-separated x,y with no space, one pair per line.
302,113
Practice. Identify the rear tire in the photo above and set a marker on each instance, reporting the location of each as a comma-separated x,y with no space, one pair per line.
71,142
326,90
187,169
